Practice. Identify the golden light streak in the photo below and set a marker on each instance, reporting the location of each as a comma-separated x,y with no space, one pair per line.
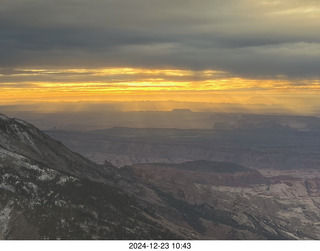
113,71
127,84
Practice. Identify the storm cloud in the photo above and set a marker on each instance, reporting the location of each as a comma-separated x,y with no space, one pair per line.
248,38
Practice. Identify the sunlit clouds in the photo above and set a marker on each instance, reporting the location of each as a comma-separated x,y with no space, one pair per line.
137,84
245,51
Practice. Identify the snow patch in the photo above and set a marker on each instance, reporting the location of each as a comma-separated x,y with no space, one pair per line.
3,117
4,220
47,175
64,179
25,138
30,166
21,161
7,187
22,122
60,203
32,186
6,153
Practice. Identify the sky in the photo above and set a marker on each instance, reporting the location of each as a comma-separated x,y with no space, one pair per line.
226,51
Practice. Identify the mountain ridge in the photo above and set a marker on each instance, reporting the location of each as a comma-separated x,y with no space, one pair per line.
39,189
50,192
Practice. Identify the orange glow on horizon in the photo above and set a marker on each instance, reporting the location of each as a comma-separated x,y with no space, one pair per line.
130,84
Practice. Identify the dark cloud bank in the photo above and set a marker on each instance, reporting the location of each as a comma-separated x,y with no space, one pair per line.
247,38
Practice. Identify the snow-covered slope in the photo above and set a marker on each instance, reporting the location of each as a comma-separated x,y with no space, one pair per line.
23,140
49,192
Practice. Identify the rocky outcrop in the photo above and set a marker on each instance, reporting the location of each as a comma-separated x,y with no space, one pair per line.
249,205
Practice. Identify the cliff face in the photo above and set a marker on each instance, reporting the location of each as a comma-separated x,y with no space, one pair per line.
246,204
